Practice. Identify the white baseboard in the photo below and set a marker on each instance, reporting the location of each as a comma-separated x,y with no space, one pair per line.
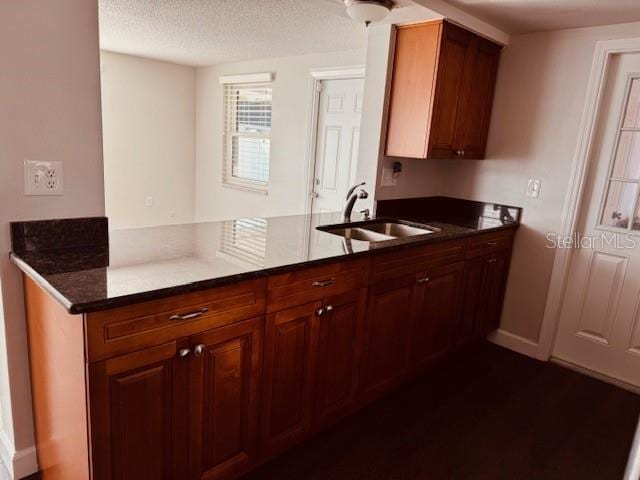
514,342
19,464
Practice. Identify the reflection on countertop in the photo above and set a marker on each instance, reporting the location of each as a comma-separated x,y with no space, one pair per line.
90,270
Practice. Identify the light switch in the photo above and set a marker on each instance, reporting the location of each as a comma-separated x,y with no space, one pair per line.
533,187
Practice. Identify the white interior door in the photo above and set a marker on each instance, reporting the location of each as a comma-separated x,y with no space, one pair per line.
600,323
337,141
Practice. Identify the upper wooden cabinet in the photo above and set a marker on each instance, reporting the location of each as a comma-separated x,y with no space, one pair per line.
441,92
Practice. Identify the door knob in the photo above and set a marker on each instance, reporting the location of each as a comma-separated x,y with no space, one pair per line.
184,352
198,350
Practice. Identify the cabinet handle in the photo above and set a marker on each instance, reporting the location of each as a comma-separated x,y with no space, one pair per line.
198,350
492,243
184,352
492,260
423,280
324,283
320,311
462,153
189,316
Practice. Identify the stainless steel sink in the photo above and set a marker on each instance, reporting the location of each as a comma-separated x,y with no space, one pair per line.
378,231
396,230
359,234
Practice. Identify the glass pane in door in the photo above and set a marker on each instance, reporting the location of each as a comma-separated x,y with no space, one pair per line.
619,204
632,113
627,162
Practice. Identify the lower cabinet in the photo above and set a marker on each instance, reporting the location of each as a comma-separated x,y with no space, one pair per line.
484,284
186,409
289,367
339,353
138,409
312,355
435,313
387,336
224,376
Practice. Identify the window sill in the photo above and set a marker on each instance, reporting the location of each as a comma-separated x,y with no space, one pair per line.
247,188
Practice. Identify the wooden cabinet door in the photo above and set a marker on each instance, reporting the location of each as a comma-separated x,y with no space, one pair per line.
436,308
474,113
339,352
387,336
495,281
224,376
472,308
139,415
454,51
291,338
411,97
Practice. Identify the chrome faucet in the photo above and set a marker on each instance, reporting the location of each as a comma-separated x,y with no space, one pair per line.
352,196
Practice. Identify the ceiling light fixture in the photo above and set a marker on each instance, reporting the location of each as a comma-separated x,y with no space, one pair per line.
368,11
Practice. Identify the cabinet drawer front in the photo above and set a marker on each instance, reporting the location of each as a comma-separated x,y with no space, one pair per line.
312,284
488,243
121,330
404,262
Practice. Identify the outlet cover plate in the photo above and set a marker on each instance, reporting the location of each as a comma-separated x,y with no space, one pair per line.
43,178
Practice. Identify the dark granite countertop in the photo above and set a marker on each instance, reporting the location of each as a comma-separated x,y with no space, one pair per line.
87,269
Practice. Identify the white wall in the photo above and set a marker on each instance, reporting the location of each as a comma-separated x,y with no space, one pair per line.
291,107
49,110
539,98
148,117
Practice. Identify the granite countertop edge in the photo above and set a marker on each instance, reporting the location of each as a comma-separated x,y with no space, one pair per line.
135,298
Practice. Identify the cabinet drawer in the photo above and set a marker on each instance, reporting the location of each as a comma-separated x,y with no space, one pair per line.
488,243
413,260
121,330
311,284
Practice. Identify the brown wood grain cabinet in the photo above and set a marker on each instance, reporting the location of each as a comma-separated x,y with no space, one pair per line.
210,384
225,369
442,89
435,313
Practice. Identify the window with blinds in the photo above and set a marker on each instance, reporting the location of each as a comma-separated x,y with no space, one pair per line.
247,134
245,240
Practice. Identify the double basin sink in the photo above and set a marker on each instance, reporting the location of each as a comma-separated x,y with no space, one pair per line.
378,230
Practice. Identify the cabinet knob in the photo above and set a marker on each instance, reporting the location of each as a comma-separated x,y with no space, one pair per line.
423,280
198,350
492,260
184,352
324,310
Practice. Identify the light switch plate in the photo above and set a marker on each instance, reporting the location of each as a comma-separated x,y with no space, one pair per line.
533,187
43,178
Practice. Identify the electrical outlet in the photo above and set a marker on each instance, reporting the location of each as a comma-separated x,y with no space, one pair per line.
43,178
149,202
389,178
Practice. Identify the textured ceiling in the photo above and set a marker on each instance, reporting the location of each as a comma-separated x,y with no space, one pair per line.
205,32
524,16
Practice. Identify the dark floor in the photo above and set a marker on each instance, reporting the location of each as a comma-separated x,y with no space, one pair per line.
487,414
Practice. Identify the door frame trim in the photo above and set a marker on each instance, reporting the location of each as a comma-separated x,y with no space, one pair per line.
574,199
317,76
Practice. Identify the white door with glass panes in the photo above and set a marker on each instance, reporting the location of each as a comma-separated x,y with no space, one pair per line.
599,326
337,141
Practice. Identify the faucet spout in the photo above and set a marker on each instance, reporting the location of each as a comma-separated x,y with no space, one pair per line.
352,197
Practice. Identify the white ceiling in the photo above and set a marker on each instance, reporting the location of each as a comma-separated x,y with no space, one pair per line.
206,32
524,16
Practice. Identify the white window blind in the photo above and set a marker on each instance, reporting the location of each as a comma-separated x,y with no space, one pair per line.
247,134
245,240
